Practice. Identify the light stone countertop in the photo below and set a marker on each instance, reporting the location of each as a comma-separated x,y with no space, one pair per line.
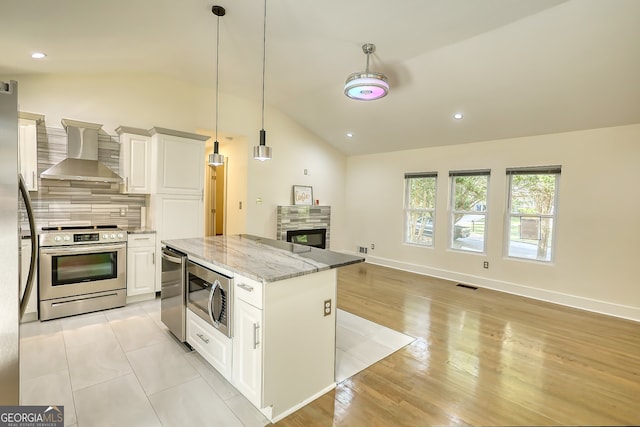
259,258
139,230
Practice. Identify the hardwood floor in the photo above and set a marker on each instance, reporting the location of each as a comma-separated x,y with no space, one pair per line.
481,357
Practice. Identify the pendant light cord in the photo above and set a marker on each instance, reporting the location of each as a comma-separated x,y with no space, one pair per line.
217,72
264,56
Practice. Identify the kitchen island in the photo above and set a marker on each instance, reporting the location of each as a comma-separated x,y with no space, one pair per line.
281,353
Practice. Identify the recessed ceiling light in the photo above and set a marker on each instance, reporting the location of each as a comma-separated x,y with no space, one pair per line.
458,116
38,55
349,135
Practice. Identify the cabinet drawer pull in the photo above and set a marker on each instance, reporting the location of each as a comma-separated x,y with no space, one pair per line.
245,287
206,341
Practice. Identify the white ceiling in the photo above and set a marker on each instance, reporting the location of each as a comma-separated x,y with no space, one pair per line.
513,67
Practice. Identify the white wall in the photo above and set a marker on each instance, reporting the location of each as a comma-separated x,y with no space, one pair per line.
295,150
598,207
144,101
596,241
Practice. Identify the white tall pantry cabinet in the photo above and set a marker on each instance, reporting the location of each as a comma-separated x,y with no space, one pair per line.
168,165
176,204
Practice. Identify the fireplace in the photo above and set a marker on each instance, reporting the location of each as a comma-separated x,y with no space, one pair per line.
313,237
304,220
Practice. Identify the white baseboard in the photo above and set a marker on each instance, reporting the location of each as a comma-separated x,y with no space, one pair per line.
597,306
267,412
29,317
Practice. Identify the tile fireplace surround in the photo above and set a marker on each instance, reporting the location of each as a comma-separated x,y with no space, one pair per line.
303,217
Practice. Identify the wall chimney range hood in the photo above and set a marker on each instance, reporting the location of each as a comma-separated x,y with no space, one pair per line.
82,162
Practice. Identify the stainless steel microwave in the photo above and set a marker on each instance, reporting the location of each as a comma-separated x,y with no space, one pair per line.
209,296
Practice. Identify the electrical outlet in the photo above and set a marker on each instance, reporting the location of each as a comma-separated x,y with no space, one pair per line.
327,307
123,212
373,246
486,264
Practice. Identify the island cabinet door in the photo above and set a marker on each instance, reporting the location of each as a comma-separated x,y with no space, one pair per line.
247,351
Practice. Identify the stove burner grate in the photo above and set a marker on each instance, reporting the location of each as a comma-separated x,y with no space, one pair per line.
80,227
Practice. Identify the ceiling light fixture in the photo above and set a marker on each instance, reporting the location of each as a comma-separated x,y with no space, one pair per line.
262,152
217,159
458,116
38,55
367,85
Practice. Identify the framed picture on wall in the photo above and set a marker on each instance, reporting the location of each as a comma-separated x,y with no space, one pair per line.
302,195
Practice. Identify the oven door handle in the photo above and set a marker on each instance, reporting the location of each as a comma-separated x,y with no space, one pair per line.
213,318
84,249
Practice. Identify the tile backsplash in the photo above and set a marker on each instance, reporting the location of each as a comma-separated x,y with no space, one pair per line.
302,217
78,202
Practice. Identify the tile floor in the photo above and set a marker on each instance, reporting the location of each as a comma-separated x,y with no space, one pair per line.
122,367
361,343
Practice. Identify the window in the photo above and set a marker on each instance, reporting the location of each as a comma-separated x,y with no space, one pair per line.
533,198
468,210
419,207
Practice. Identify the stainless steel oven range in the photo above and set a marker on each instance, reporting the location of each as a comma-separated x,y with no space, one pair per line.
81,269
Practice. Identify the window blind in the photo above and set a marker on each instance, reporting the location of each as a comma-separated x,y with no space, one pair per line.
534,170
470,172
420,175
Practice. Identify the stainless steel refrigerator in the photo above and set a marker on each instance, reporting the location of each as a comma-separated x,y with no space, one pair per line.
12,300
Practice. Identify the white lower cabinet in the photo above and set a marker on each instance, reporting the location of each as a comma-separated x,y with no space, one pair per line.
31,313
247,351
141,264
282,354
211,344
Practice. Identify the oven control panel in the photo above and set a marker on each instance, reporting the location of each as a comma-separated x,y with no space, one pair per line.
80,237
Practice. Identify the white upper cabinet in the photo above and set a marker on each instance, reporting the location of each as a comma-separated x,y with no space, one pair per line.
135,160
180,159
28,148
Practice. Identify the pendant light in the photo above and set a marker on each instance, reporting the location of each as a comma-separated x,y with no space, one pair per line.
367,85
217,159
262,152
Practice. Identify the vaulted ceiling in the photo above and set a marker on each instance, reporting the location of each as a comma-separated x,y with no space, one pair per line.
512,67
